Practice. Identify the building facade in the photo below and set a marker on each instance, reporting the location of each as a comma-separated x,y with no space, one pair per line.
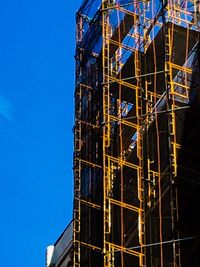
61,253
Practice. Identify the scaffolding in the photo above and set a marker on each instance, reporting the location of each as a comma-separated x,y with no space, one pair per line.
136,104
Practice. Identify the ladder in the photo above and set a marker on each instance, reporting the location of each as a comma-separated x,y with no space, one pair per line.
140,175
107,69
172,141
77,182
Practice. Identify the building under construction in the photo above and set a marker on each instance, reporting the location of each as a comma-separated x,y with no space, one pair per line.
137,134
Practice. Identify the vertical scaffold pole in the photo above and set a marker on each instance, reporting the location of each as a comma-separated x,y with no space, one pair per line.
77,162
141,223
106,134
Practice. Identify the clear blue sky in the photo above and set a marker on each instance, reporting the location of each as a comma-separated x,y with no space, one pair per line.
36,119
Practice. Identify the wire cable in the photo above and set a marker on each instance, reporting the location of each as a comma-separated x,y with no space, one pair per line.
147,114
156,244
